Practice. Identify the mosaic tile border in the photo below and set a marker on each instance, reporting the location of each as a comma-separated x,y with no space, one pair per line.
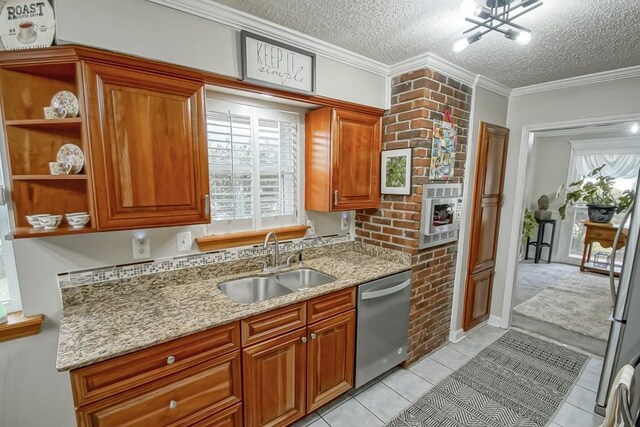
114,272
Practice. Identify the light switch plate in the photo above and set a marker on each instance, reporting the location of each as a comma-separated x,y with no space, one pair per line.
141,248
184,241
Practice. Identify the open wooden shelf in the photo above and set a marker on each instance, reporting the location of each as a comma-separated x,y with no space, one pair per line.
73,122
49,177
64,229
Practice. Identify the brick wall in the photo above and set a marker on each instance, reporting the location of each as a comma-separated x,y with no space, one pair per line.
418,98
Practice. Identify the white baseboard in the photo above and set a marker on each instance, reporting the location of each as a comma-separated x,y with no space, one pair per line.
495,321
455,336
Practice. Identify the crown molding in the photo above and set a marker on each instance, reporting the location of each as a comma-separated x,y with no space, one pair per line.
435,62
243,21
588,79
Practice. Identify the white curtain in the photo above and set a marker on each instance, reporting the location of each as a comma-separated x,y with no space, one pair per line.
619,165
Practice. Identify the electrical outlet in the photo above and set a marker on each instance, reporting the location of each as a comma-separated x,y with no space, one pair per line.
184,241
344,222
141,248
311,231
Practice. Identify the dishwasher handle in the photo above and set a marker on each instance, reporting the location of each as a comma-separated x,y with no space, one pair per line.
385,292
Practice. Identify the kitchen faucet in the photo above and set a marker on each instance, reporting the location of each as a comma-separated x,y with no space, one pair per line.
276,254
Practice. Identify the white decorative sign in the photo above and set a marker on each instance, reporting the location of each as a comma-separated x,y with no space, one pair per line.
27,24
274,64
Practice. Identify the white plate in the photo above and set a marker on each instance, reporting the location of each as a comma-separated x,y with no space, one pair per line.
68,101
71,154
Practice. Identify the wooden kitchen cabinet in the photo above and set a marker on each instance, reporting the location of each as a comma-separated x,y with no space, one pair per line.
148,136
274,380
342,160
331,358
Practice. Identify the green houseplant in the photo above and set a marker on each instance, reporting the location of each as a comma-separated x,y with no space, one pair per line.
528,225
597,192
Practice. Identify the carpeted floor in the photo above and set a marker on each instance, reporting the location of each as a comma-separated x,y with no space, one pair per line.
517,381
574,310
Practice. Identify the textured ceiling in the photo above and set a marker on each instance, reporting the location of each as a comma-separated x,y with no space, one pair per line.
570,37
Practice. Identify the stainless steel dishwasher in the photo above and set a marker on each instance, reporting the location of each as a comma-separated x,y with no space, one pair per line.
383,325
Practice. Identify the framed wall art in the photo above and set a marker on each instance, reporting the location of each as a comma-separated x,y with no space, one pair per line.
274,64
443,151
396,171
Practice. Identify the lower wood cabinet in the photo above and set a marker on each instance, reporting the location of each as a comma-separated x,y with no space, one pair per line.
182,399
331,355
274,379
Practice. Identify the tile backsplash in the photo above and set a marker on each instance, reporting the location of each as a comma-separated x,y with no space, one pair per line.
103,274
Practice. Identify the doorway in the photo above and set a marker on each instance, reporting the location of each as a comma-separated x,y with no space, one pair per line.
552,295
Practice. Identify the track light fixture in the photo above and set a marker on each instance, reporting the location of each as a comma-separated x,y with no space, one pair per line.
497,15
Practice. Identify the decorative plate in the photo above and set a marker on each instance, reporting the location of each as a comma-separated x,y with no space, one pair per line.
68,101
27,24
71,154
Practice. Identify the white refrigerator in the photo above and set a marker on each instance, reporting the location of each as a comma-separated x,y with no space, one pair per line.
624,337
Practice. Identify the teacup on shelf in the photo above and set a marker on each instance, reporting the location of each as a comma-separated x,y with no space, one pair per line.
57,168
51,222
51,113
78,219
34,220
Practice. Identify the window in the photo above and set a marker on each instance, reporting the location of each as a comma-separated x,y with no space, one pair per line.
622,159
253,167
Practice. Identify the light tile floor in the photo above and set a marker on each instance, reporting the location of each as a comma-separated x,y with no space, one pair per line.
378,402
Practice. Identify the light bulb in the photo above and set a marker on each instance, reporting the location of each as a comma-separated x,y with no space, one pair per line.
460,45
523,38
468,7
635,128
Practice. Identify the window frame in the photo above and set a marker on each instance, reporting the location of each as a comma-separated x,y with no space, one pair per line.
8,258
268,110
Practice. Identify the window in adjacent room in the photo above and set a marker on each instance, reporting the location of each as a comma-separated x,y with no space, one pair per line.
253,167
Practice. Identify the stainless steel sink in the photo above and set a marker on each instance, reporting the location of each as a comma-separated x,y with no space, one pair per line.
253,289
304,278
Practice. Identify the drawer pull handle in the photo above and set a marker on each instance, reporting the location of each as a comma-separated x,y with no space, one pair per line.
313,336
173,404
170,360
304,340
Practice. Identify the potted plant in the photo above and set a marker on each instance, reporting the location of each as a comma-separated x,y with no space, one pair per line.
529,224
597,192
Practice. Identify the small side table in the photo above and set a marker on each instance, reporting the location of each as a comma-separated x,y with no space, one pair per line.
604,235
539,243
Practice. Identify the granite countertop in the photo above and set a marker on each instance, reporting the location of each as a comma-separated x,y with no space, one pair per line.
100,328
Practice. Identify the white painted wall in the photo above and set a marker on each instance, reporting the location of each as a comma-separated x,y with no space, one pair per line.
146,29
599,102
487,106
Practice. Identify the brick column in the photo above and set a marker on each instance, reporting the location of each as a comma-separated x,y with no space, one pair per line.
418,98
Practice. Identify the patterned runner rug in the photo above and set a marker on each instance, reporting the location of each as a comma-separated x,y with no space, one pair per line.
518,380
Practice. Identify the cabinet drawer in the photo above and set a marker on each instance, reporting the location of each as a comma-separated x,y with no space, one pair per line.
231,417
113,376
329,305
267,325
178,400
602,234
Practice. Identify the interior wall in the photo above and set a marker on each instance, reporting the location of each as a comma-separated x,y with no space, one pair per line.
598,102
490,107
32,392
150,30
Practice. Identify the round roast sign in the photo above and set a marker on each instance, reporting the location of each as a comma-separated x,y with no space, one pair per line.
27,24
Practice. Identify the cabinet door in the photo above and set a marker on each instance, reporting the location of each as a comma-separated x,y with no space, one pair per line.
331,359
355,161
148,146
274,380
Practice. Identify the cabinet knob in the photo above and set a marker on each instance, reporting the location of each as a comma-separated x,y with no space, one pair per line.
313,336
170,360
173,404
207,205
303,339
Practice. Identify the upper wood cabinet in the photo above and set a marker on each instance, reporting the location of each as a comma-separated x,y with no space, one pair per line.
342,159
148,139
